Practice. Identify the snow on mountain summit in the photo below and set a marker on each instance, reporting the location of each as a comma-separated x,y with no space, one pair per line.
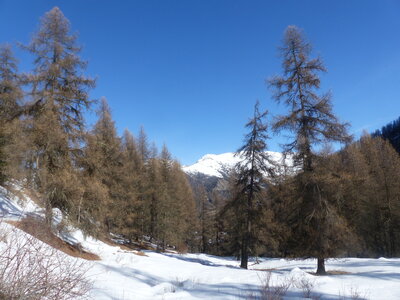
219,164
213,164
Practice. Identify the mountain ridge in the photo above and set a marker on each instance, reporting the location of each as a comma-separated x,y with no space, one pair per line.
219,165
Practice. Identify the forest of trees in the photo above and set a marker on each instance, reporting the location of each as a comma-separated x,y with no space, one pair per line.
103,182
390,132
323,204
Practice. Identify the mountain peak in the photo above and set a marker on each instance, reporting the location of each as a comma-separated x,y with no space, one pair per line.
217,165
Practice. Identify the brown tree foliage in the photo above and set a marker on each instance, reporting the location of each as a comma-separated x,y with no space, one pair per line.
10,98
60,94
373,195
311,121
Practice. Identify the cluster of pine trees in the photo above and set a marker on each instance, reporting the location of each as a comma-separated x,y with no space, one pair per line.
324,203
103,182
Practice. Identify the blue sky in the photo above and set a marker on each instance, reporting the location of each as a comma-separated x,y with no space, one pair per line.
191,71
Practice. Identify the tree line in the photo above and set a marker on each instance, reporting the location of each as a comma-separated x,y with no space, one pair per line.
390,132
103,182
324,203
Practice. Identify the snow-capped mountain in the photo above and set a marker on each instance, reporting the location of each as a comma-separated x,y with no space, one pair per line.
219,165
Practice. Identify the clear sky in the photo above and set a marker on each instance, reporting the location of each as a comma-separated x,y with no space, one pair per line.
191,71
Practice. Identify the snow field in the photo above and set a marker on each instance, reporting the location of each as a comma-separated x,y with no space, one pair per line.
123,275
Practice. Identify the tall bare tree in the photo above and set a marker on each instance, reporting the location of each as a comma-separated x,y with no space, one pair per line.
59,95
311,121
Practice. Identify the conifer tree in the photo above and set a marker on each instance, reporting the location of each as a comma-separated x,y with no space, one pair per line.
163,210
129,223
373,195
151,197
59,95
201,198
10,95
143,145
182,210
256,164
311,121
104,161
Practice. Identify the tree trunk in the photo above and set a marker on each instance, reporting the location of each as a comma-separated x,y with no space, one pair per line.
244,253
321,266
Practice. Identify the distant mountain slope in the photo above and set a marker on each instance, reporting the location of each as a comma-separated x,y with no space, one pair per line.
219,165
212,173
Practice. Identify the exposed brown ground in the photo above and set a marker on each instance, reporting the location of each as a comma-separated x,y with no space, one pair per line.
127,247
332,272
39,230
338,272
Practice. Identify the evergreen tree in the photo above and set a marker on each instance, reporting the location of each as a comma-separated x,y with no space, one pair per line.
151,197
312,122
130,222
10,95
143,145
104,162
373,193
251,171
182,210
205,219
59,95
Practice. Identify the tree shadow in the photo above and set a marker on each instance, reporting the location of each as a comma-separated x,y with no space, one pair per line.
201,261
202,290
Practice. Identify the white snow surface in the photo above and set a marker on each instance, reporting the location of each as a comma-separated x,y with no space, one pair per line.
122,274
14,207
218,164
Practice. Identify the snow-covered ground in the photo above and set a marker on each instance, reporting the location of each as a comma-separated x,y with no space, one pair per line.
123,274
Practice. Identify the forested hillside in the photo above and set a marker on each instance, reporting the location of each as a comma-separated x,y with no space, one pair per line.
308,201
390,132
324,203
104,182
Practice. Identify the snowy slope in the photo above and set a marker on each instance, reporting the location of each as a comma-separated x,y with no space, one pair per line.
13,207
124,275
219,165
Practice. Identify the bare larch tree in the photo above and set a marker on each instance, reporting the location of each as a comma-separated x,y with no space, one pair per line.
311,121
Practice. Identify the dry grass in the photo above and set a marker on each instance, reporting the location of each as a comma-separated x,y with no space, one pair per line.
273,290
37,228
331,272
125,247
30,269
338,272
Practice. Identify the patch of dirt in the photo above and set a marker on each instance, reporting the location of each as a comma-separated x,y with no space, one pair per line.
37,228
331,272
338,272
126,247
